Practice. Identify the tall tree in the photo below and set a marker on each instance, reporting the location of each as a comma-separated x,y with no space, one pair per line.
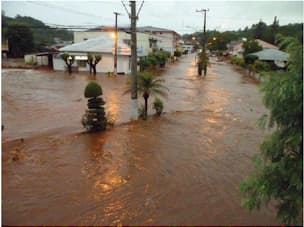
279,166
274,30
20,39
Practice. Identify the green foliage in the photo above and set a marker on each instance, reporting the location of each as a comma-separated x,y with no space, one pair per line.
251,46
153,59
95,118
158,106
42,35
20,39
92,90
250,59
147,85
185,52
258,30
177,53
261,66
93,61
238,61
279,166
69,60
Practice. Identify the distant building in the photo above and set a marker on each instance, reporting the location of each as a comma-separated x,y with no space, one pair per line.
272,56
148,38
100,40
266,45
235,48
103,45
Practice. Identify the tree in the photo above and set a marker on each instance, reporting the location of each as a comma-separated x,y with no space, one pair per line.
93,61
20,39
148,85
274,30
69,60
279,165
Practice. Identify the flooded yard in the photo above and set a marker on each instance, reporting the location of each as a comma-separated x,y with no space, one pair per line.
183,168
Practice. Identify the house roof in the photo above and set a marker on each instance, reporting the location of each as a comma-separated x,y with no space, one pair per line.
271,55
128,29
98,45
266,45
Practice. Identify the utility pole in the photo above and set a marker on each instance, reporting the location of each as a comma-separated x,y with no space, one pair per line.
115,45
133,18
204,62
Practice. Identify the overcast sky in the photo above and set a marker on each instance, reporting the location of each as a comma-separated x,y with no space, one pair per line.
176,15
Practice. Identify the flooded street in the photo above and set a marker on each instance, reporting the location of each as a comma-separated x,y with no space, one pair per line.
183,168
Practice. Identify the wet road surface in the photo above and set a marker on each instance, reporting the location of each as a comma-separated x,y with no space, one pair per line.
183,168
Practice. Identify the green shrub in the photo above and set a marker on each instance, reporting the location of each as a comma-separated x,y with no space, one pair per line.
185,52
177,53
238,61
261,66
94,118
250,59
92,90
158,106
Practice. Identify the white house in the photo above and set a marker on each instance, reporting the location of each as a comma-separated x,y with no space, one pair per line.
166,39
103,45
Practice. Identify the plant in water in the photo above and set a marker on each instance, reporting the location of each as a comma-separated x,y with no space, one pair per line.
94,119
279,166
69,60
158,106
148,84
93,61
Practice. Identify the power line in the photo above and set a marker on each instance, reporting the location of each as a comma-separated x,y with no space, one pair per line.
44,4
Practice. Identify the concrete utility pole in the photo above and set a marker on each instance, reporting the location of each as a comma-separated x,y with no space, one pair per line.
204,42
115,45
133,17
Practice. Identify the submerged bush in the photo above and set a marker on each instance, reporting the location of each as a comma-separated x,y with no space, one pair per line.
158,106
94,119
261,66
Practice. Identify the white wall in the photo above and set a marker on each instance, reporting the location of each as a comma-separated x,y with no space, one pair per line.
165,41
58,63
143,45
105,65
42,60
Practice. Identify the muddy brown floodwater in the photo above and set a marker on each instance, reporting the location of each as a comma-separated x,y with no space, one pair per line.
183,168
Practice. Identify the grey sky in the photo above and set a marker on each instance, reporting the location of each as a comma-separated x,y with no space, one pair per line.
177,15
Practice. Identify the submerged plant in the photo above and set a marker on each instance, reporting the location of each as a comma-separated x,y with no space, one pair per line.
94,119
158,106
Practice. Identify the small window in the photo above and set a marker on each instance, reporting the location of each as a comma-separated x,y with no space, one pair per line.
84,39
82,63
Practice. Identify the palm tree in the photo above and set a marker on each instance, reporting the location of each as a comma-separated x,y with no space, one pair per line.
148,84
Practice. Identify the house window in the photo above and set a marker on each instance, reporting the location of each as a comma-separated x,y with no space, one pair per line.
84,39
82,63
